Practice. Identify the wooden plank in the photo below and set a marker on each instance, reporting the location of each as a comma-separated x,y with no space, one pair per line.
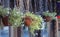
15,31
19,32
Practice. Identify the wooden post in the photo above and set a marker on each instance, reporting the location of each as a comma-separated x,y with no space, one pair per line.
27,5
12,31
19,32
21,5
57,26
15,31
0,21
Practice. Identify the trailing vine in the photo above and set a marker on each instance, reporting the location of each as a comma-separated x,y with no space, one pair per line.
36,22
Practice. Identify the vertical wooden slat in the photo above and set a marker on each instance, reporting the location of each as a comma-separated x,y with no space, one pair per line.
12,31
30,5
54,5
56,27
5,3
21,5
15,31
19,32
27,5
33,5
17,3
9,31
12,4
48,26
0,21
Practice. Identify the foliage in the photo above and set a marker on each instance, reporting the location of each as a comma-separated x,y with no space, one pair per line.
15,18
50,14
0,10
36,22
3,11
